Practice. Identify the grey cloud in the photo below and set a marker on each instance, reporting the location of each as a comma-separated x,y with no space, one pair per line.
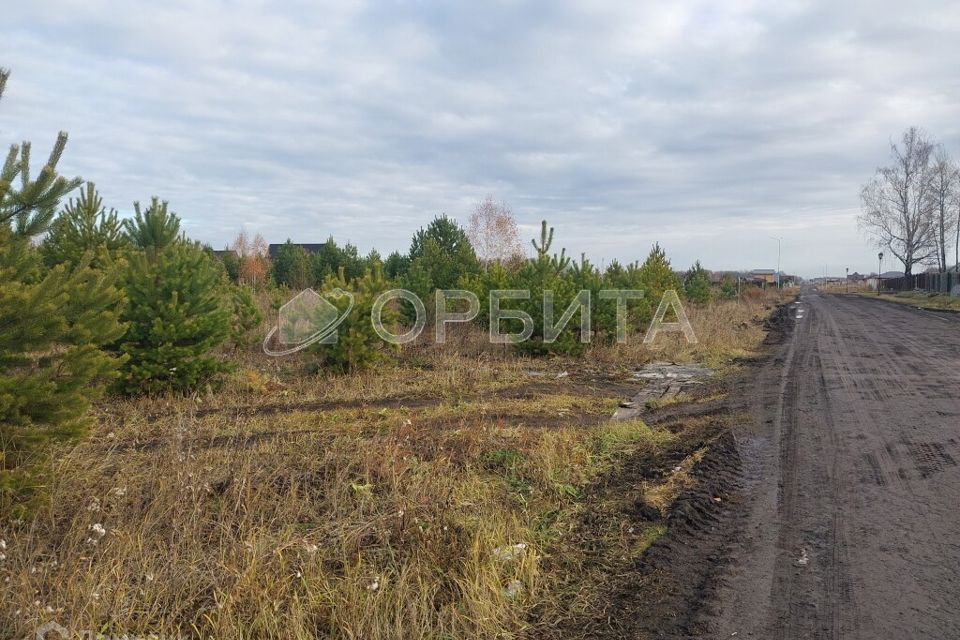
706,126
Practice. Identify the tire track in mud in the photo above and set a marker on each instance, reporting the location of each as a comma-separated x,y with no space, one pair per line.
859,434
670,589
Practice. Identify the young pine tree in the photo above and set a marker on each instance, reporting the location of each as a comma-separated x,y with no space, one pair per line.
84,226
177,311
696,286
231,263
358,346
655,276
52,323
548,272
292,267
728,288
440,255
245,315
154,228
396,266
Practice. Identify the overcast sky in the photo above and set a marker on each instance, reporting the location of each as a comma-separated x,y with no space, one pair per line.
707,129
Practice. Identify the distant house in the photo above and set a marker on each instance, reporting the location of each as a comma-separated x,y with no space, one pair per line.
872,280
856,277
717,277
309,248
764,276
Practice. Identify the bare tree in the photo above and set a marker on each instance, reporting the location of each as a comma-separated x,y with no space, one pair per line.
942,192
493,232
254,264
895,204
956,220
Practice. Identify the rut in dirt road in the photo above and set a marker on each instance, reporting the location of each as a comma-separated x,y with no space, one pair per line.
851,479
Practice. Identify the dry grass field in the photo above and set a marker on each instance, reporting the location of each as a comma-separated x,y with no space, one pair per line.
442,495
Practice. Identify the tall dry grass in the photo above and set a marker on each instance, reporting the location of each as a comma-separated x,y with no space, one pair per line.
724,329
351,522
305,507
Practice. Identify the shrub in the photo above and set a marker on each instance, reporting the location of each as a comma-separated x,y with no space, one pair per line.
567,279
656,275
639,311
540,275
604,311
496,276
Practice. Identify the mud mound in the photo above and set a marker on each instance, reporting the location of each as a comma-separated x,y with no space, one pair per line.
680,571
777,324
641,596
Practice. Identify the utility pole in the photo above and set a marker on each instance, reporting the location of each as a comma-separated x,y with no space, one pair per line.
778,258
846,282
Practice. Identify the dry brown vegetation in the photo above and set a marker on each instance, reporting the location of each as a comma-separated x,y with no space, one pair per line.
924,300
441,496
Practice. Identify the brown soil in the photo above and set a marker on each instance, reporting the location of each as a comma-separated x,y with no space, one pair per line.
589,387
633,596
850,480
837,513
584,387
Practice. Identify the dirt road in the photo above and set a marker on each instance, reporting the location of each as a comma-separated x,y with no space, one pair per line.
851,485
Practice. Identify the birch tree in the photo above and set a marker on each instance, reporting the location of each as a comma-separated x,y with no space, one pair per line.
494,233
942,190
896,203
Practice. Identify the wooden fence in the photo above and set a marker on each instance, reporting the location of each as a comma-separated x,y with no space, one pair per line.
944,282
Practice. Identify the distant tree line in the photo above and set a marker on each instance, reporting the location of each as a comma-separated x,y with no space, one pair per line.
92,303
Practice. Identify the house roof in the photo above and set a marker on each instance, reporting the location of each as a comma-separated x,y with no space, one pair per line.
313,247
